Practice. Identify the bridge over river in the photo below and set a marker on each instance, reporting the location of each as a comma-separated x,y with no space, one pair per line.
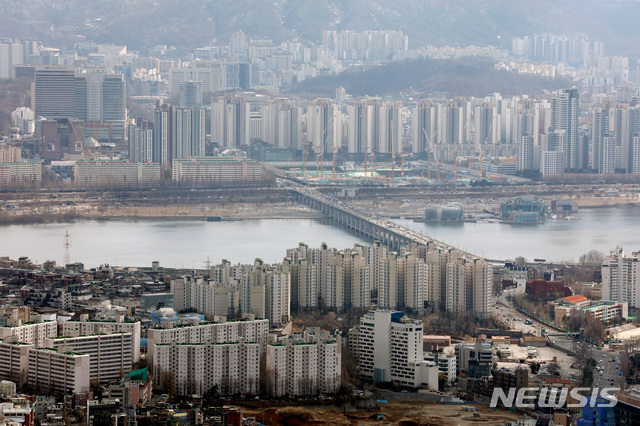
388,233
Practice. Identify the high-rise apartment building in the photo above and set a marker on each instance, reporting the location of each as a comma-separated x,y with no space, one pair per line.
111,355
231,368
564,116
33,333
621,277
205,296
388,346
60,371
324,126
304,365
252,330
85,327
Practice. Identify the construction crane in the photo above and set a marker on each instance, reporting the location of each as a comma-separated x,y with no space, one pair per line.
431,153
82,140
393,162
455,152
482,174
403,154
372,163
304,157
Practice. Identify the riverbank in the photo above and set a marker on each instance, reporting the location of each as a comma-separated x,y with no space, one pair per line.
33,214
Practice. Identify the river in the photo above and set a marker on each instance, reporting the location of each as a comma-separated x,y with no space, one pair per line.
187,244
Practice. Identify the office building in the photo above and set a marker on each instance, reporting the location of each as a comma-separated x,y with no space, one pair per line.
304,365
54,94
56,371
111,355
210,74
96,97
231,368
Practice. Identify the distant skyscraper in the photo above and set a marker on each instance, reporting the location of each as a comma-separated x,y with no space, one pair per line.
190,94
54,92
93,97
564,116
425,128
281,124
324,126
140,141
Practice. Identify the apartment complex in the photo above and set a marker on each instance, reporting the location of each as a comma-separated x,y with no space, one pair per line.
10,154
51,370
14,361
196,368
621,278
27,173
252,330
116,174
31,333
85,327
304,365
388,346
216,171
205,296
111,355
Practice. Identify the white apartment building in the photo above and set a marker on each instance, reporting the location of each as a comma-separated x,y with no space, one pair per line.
111,355
53,371
447,364
85,327
116,174
252,330
620,277
206,297
14,361
195,368
27,172
32,333
305,365
270,295
388,346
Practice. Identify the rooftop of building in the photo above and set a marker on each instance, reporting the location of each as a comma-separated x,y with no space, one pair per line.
577,298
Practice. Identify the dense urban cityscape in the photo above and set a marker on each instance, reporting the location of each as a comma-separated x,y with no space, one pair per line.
335,188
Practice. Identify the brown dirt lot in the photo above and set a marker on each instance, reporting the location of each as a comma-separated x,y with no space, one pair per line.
394,413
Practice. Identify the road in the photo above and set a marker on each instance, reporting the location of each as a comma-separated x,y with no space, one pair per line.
605,373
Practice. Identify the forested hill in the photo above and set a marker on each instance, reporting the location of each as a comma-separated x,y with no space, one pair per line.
456,77
189,23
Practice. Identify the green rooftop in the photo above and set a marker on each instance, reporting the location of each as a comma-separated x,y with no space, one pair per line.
140,375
